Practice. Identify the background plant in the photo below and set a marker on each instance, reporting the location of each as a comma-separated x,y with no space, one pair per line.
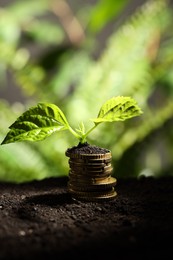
42,60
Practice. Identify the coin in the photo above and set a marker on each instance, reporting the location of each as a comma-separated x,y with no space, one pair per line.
107,197
91,193
91,166
94,196
92,185
88,164
92,171
94,161
80,177
95,181
74,175
93,174
90,177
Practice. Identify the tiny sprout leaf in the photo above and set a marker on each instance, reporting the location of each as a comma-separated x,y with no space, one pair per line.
37,123
118,109
81,129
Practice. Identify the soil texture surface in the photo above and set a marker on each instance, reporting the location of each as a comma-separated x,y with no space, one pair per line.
40,220
87,148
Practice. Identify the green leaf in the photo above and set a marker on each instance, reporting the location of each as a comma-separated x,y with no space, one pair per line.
105,11
118,109
39,28
37,123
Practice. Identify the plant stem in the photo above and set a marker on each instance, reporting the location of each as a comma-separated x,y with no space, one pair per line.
74,133
89,131
82,138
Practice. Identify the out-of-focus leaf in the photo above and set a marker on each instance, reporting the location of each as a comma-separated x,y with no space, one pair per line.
103,12
10,31
45,32
30,78
24,10
124,68
73,69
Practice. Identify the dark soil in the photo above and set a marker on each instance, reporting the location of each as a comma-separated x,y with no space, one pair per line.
87,149
40,220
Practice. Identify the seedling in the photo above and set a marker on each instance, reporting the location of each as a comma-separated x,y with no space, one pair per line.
44,119
90,174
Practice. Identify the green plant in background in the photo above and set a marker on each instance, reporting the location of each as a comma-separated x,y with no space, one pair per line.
52,65
44,119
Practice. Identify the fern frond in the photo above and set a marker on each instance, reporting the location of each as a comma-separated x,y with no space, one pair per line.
124,68
153,121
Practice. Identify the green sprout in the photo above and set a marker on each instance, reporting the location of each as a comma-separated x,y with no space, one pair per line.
39,122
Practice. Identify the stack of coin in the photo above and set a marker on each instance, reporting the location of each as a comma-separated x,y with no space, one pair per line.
90,177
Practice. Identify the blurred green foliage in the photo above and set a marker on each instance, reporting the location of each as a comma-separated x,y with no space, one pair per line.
56,52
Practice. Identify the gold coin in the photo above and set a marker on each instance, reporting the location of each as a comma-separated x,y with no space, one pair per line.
92,173
86,169
90,193
93,196
94,161
103,180
74,176
77,177
96,199
92,184
91,167
82,164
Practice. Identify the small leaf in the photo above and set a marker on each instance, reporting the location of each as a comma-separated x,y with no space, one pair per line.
118,109
37,123
81,129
